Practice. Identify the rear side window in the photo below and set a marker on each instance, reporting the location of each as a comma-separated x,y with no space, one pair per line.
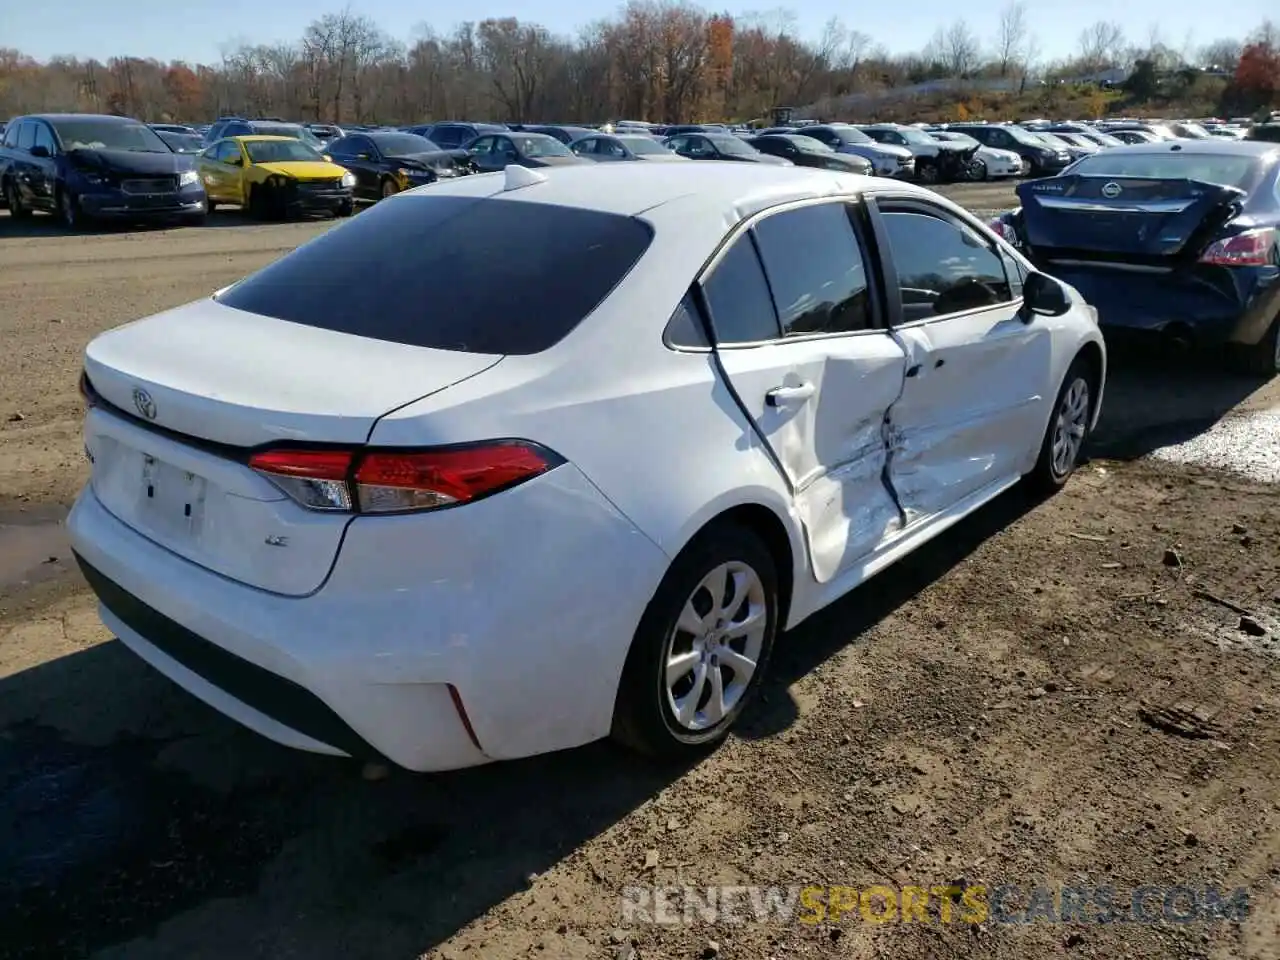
816,270
737,296
452,273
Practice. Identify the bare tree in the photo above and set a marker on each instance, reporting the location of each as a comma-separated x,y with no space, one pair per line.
1012,37
1220,55
960,49
1101,45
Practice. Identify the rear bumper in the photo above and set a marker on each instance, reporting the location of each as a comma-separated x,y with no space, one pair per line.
1204,305
1004,168
496,603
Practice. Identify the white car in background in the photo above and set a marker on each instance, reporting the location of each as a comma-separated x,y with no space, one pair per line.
996,163
595,437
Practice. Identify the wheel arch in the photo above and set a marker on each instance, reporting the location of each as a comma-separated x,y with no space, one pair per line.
779,538
1095,360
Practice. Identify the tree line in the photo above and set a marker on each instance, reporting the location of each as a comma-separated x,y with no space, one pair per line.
655,60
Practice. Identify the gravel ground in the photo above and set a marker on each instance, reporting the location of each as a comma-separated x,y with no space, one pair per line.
1083,691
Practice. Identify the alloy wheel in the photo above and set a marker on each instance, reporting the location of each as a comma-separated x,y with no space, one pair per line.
715,646
389,189
1070,427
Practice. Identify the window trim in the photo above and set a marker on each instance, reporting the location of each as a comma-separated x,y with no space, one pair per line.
856,207
889,270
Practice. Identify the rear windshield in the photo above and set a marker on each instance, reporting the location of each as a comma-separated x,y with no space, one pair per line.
1228,169
452,273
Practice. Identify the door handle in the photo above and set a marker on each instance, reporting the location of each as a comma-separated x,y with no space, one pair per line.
782,396
913,371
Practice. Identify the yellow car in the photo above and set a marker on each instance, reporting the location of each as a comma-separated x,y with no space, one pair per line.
274,177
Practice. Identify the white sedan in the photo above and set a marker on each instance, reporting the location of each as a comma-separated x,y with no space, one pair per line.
513,463
995,163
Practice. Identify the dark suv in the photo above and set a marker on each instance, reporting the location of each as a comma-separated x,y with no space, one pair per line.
1043,159
450,135
89,166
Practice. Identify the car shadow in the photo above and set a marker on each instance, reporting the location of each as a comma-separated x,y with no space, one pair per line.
1160,397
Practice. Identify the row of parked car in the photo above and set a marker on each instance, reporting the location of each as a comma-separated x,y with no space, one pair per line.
96,167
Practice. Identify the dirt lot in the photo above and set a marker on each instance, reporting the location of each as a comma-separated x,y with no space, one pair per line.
1055,693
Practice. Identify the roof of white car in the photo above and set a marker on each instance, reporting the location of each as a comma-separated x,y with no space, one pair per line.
738,189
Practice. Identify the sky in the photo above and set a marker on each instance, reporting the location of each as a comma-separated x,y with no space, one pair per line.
198,30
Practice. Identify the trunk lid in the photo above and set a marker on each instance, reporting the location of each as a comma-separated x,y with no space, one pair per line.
188,391
1117,218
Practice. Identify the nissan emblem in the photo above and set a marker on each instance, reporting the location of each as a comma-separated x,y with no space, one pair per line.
1111,190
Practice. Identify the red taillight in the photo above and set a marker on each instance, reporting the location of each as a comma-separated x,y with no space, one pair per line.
392,481
308,464
1004,230
1249,249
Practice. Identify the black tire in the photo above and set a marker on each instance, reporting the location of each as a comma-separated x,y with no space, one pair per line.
978,171
389,188
259,202
345,209
1261,359
644,718
927,170
16,208
1050,473
210,206
69,213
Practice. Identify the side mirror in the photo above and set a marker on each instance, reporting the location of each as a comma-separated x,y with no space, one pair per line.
1044,296
40,150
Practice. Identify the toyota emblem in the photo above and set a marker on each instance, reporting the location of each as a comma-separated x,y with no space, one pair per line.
142,400
1111,190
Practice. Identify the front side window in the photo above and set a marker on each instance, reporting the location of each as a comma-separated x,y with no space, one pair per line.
816,270
943,266
344,147
737,296
228,152
43,138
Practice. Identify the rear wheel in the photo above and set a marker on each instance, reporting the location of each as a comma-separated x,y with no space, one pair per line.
702,646
1261,359
1068,430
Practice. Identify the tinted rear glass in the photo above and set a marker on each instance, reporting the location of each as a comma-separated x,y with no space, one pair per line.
452,273
1232,170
